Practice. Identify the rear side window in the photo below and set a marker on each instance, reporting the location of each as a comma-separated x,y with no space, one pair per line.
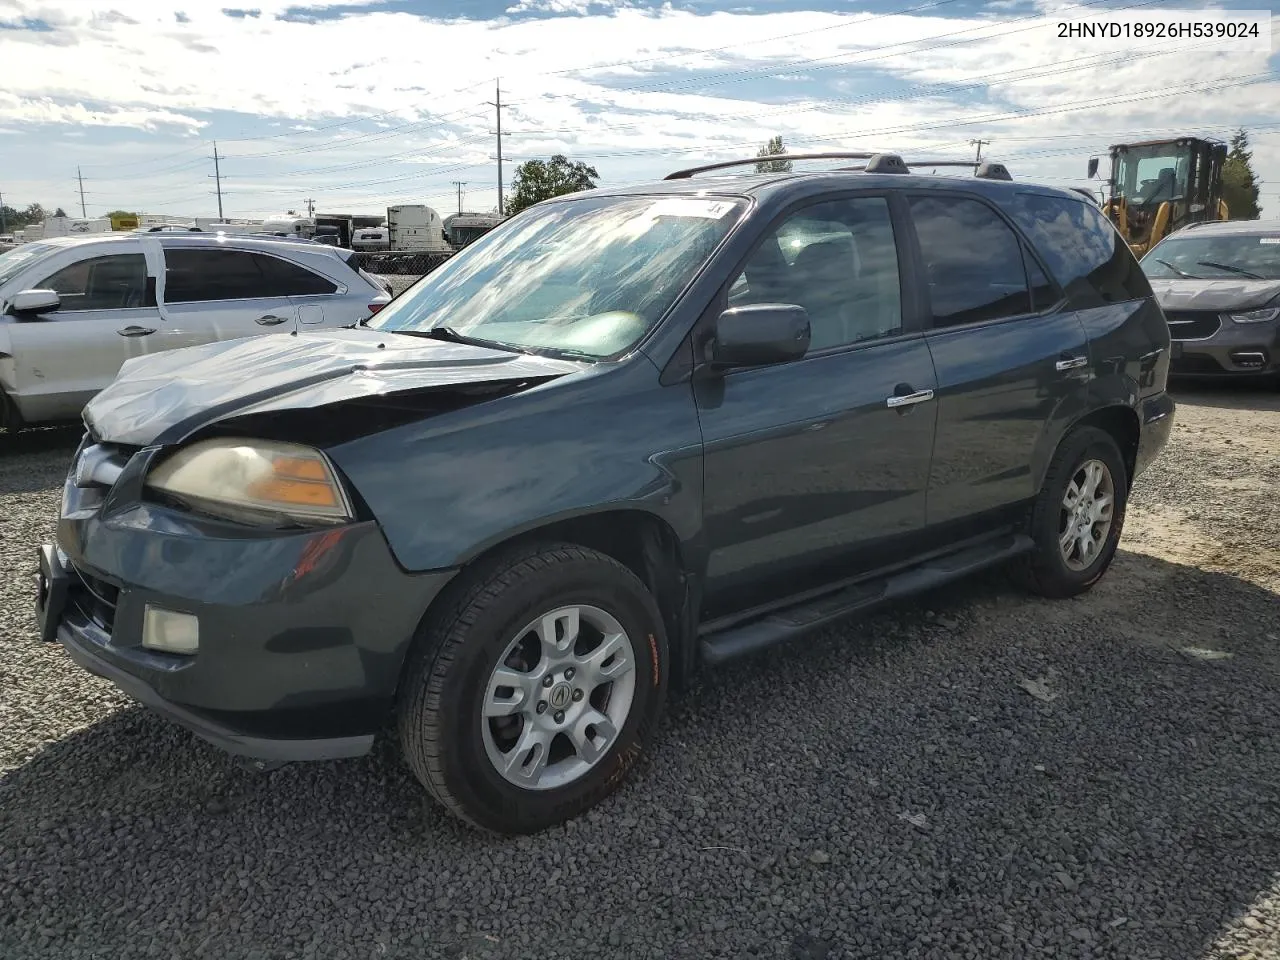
195,275
1083,251
972,259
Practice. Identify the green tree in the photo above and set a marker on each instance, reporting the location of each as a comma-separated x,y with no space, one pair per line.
59,212
120,213
34,214
1239,186
538,180
773,148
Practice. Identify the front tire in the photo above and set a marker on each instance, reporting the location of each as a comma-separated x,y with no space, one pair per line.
533,695
1078,517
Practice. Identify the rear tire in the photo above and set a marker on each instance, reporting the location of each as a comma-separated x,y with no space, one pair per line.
1078,517
580,642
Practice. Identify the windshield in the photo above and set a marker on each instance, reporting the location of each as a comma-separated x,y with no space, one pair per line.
1238,256
19,258
588,277
1152,175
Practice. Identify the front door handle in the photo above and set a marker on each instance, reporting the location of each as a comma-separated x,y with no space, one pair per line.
1070,363
135,331
270,320
908,399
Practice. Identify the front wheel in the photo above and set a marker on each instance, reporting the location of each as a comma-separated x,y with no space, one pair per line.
531,698
1078,517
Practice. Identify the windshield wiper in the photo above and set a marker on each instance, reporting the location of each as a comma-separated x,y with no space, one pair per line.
1229,269
1181,273
450,335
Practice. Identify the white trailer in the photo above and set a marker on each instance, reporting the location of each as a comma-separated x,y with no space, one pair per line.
415,228
69,227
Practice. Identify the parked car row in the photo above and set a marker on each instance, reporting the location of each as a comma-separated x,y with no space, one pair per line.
73,310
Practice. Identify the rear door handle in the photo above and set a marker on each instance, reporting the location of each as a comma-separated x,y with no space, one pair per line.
270,320
135,331
1070,363
907,399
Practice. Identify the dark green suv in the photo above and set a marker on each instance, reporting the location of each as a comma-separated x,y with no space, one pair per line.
625,433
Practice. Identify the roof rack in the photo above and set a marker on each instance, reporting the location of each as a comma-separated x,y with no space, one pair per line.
875,163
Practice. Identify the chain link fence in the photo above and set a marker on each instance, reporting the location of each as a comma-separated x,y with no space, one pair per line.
399,264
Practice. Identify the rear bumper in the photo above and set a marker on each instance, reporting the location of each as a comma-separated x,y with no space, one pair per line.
1156,415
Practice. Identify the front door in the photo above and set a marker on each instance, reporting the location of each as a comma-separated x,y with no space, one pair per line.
107,315
817,469
1012,362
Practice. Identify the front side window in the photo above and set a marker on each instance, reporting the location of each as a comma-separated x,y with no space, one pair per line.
588,277
973,261
1189,256
839,261
116,282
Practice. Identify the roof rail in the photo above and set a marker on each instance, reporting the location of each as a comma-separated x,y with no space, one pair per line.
726,164
875,163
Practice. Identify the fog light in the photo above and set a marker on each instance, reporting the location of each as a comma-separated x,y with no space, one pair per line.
170,631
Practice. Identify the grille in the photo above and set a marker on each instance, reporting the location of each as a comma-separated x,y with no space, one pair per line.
1196,364
1192,324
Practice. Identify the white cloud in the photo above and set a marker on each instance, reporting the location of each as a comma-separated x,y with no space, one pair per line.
424,82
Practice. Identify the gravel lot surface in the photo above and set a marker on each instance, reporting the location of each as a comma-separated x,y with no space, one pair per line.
978,775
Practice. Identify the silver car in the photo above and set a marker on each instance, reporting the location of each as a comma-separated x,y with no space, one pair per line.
74,309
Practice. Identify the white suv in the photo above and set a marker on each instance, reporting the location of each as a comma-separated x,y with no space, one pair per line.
72,310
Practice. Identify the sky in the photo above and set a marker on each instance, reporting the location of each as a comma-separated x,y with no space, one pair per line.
364,103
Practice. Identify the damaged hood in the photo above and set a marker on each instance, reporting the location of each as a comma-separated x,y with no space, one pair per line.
1226,294
163,397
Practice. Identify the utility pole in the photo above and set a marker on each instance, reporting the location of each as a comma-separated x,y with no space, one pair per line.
496,103
311,207
4,227
83,214
978,159
462,183
217,177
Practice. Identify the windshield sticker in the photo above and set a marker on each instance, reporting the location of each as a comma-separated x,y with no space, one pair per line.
1269,239
690,207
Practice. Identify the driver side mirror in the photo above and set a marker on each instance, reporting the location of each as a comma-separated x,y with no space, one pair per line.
1093,167
35,302
760,333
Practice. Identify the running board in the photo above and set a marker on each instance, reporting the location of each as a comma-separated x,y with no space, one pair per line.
782,625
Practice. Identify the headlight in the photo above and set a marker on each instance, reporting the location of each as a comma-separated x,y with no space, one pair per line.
1255,316
254,480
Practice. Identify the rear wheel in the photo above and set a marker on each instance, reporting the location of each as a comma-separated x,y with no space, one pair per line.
531,698
1078,517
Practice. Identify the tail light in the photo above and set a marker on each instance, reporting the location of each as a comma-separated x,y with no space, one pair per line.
375,307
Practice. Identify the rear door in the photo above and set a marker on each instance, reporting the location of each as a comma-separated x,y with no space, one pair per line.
108,314
817,469
1012,361
218,293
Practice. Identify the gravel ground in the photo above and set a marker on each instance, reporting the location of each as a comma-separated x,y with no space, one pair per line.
978,775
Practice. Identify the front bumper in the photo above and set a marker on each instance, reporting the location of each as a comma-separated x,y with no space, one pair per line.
302,634
1236,350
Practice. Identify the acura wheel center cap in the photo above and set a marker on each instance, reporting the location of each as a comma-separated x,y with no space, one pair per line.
561,696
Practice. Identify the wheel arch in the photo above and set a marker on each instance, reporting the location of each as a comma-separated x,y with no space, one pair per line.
1121,422
640,540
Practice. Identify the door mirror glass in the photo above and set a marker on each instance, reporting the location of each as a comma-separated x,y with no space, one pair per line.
760,333
1093,167
35,301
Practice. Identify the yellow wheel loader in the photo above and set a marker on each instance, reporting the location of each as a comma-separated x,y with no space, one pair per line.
1159,186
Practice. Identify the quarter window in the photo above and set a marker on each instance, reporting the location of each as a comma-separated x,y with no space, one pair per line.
195,275
972,259
103,283
838,260
1081,248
